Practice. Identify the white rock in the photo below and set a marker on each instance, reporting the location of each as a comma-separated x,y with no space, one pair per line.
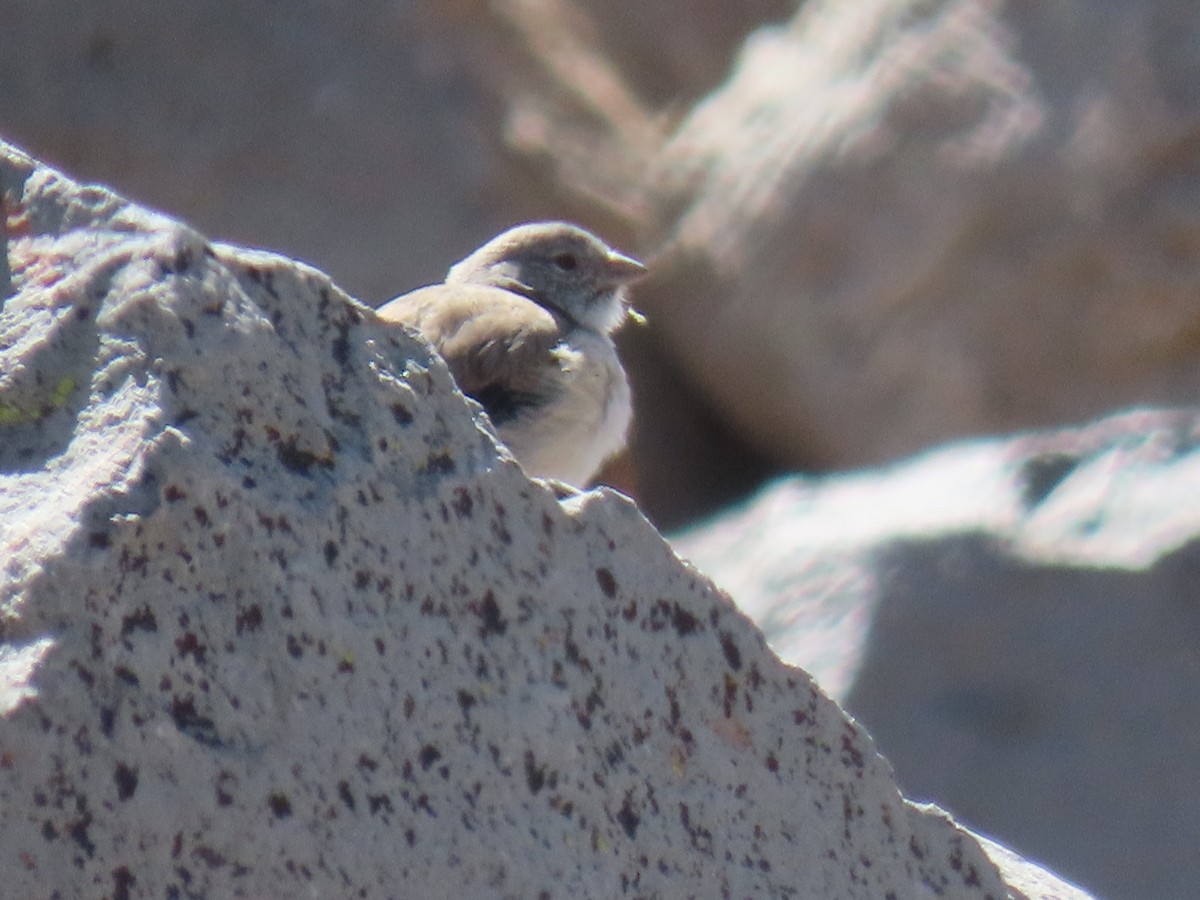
902,221
280,620
1003,606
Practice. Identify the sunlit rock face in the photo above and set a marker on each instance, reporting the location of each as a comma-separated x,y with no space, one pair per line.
281,619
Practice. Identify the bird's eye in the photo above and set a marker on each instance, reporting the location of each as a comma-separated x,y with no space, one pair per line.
566,261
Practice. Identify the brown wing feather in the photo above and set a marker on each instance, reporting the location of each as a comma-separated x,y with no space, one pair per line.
499,346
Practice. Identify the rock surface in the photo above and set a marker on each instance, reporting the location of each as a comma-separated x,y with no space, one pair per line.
1016,623
901,221
280,618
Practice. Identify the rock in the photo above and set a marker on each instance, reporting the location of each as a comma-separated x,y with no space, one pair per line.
1015,622
280,618
902,221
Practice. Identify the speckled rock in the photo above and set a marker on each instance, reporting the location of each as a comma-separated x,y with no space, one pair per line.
1015,620
280,619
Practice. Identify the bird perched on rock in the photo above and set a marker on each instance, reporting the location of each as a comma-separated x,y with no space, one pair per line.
525,325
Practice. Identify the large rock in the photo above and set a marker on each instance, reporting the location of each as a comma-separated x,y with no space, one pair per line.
902,220
1016,623
280,618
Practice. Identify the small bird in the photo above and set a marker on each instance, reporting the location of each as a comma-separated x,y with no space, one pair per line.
525,325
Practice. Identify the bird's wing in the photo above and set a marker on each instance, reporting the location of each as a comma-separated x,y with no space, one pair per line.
500,347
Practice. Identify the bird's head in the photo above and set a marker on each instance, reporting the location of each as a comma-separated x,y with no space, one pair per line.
558,266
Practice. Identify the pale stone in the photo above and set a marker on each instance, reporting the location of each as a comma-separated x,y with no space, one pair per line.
902,221
1014,621
285,621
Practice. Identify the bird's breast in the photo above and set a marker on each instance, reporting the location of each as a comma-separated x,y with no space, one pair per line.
586,422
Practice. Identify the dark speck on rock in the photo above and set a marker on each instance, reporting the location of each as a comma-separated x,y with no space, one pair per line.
280,805
729,647
608,584
126,779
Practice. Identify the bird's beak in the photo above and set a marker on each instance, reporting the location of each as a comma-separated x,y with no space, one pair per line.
623,269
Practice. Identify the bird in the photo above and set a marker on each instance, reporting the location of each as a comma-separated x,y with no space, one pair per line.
525,324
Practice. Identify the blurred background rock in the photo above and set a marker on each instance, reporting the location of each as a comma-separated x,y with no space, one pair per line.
874,225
